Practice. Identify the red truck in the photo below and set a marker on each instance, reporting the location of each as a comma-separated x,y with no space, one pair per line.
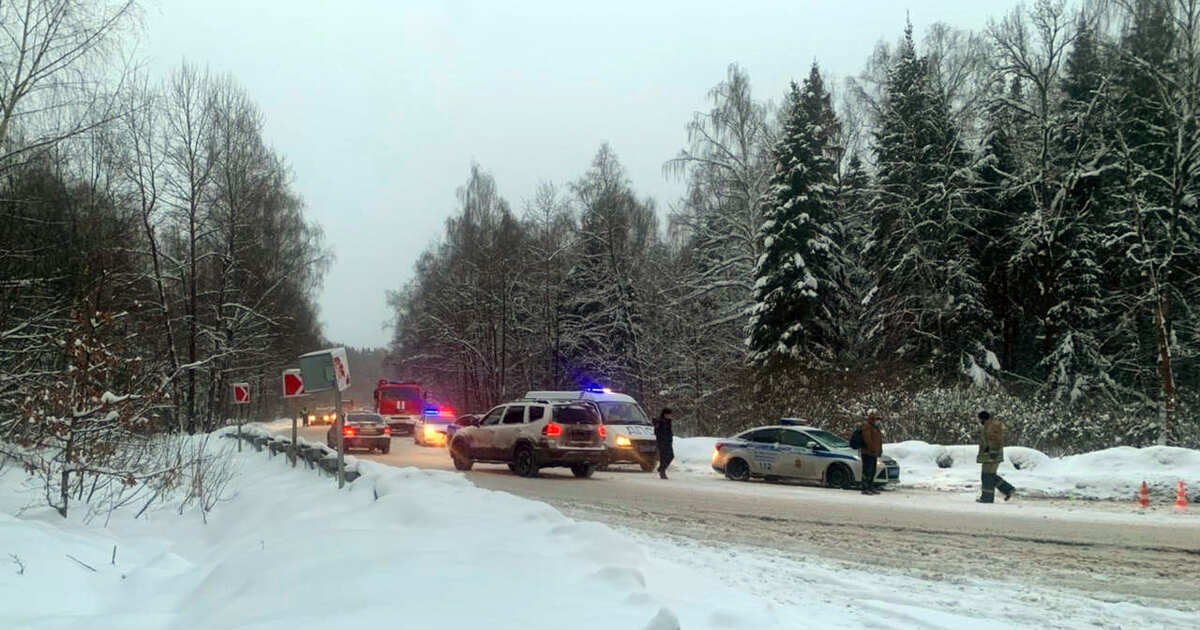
400,404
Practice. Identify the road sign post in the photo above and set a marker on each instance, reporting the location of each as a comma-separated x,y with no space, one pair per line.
329,369
241,396
293,387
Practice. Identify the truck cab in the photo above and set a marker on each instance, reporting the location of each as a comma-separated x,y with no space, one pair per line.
401,405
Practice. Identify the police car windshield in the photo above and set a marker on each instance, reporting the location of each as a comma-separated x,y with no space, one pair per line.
828,439
622,413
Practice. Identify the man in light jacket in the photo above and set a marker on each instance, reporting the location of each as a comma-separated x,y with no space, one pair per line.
991,453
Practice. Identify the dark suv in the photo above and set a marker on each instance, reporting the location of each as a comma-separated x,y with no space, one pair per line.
529,435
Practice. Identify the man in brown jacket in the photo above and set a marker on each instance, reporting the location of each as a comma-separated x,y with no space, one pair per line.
991,453
872,448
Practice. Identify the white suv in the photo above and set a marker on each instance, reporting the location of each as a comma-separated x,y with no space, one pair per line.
630,435
529,435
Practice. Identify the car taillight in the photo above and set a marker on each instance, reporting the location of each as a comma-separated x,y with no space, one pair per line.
387,430
552,429
348,431
601,431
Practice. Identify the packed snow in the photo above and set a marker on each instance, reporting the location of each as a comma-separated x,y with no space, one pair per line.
1113,474
410,548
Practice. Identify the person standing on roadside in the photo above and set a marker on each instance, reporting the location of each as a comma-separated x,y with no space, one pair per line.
991,453
304,416
664,435
872,448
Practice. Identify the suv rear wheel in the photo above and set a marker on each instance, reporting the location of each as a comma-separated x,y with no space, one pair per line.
524,462
583,471
460,452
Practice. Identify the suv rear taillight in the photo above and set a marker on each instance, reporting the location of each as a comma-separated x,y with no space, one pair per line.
387,430
348,431
601,431
552,429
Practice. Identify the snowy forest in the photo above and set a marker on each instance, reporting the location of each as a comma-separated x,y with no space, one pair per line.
1003,219
152,252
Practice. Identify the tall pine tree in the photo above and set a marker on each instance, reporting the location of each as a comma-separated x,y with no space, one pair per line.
927,305
798,290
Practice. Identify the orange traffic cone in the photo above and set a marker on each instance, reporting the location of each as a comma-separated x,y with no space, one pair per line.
1144,496
1180,497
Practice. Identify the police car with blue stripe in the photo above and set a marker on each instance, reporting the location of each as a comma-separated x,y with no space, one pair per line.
791,450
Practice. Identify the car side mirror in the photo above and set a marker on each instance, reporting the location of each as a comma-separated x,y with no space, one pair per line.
814,446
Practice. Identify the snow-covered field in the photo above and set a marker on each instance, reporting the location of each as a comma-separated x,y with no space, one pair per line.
409,548
1113,474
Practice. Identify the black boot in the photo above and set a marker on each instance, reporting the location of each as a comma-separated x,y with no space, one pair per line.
987,496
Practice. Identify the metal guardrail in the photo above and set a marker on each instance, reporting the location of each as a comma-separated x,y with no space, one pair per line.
313,455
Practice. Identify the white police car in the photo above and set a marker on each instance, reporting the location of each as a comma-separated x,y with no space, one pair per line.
629,437
790,450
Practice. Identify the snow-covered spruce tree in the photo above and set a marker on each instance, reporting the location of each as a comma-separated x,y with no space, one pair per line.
1001,201
1037,181
604,324
799,278
1064,243
927,305
1156,224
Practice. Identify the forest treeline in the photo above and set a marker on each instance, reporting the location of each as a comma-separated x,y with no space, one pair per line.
1003,219
152,252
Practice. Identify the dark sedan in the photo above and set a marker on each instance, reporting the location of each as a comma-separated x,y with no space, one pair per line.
362,430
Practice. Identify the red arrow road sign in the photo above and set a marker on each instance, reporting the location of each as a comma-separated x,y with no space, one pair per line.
241,393
293,384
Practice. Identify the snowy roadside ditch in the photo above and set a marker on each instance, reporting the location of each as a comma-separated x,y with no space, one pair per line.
1113,474
410,548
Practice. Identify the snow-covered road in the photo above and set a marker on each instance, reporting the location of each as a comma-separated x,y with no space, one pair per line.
1100,547
411,548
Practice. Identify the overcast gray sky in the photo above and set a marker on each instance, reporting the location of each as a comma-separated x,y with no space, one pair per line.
380,107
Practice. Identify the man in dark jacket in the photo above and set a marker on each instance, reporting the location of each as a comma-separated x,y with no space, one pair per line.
664,435
991,453
872,448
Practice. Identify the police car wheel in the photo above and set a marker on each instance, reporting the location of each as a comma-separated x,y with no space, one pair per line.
838,476
737,469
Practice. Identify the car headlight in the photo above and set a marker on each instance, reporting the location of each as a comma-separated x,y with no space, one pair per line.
623,441
430,431
312,417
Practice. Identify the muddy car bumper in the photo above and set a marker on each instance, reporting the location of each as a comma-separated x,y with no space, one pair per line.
637,452
569,456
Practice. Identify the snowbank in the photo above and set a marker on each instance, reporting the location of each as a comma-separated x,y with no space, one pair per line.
694,455
400,547
1111,474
